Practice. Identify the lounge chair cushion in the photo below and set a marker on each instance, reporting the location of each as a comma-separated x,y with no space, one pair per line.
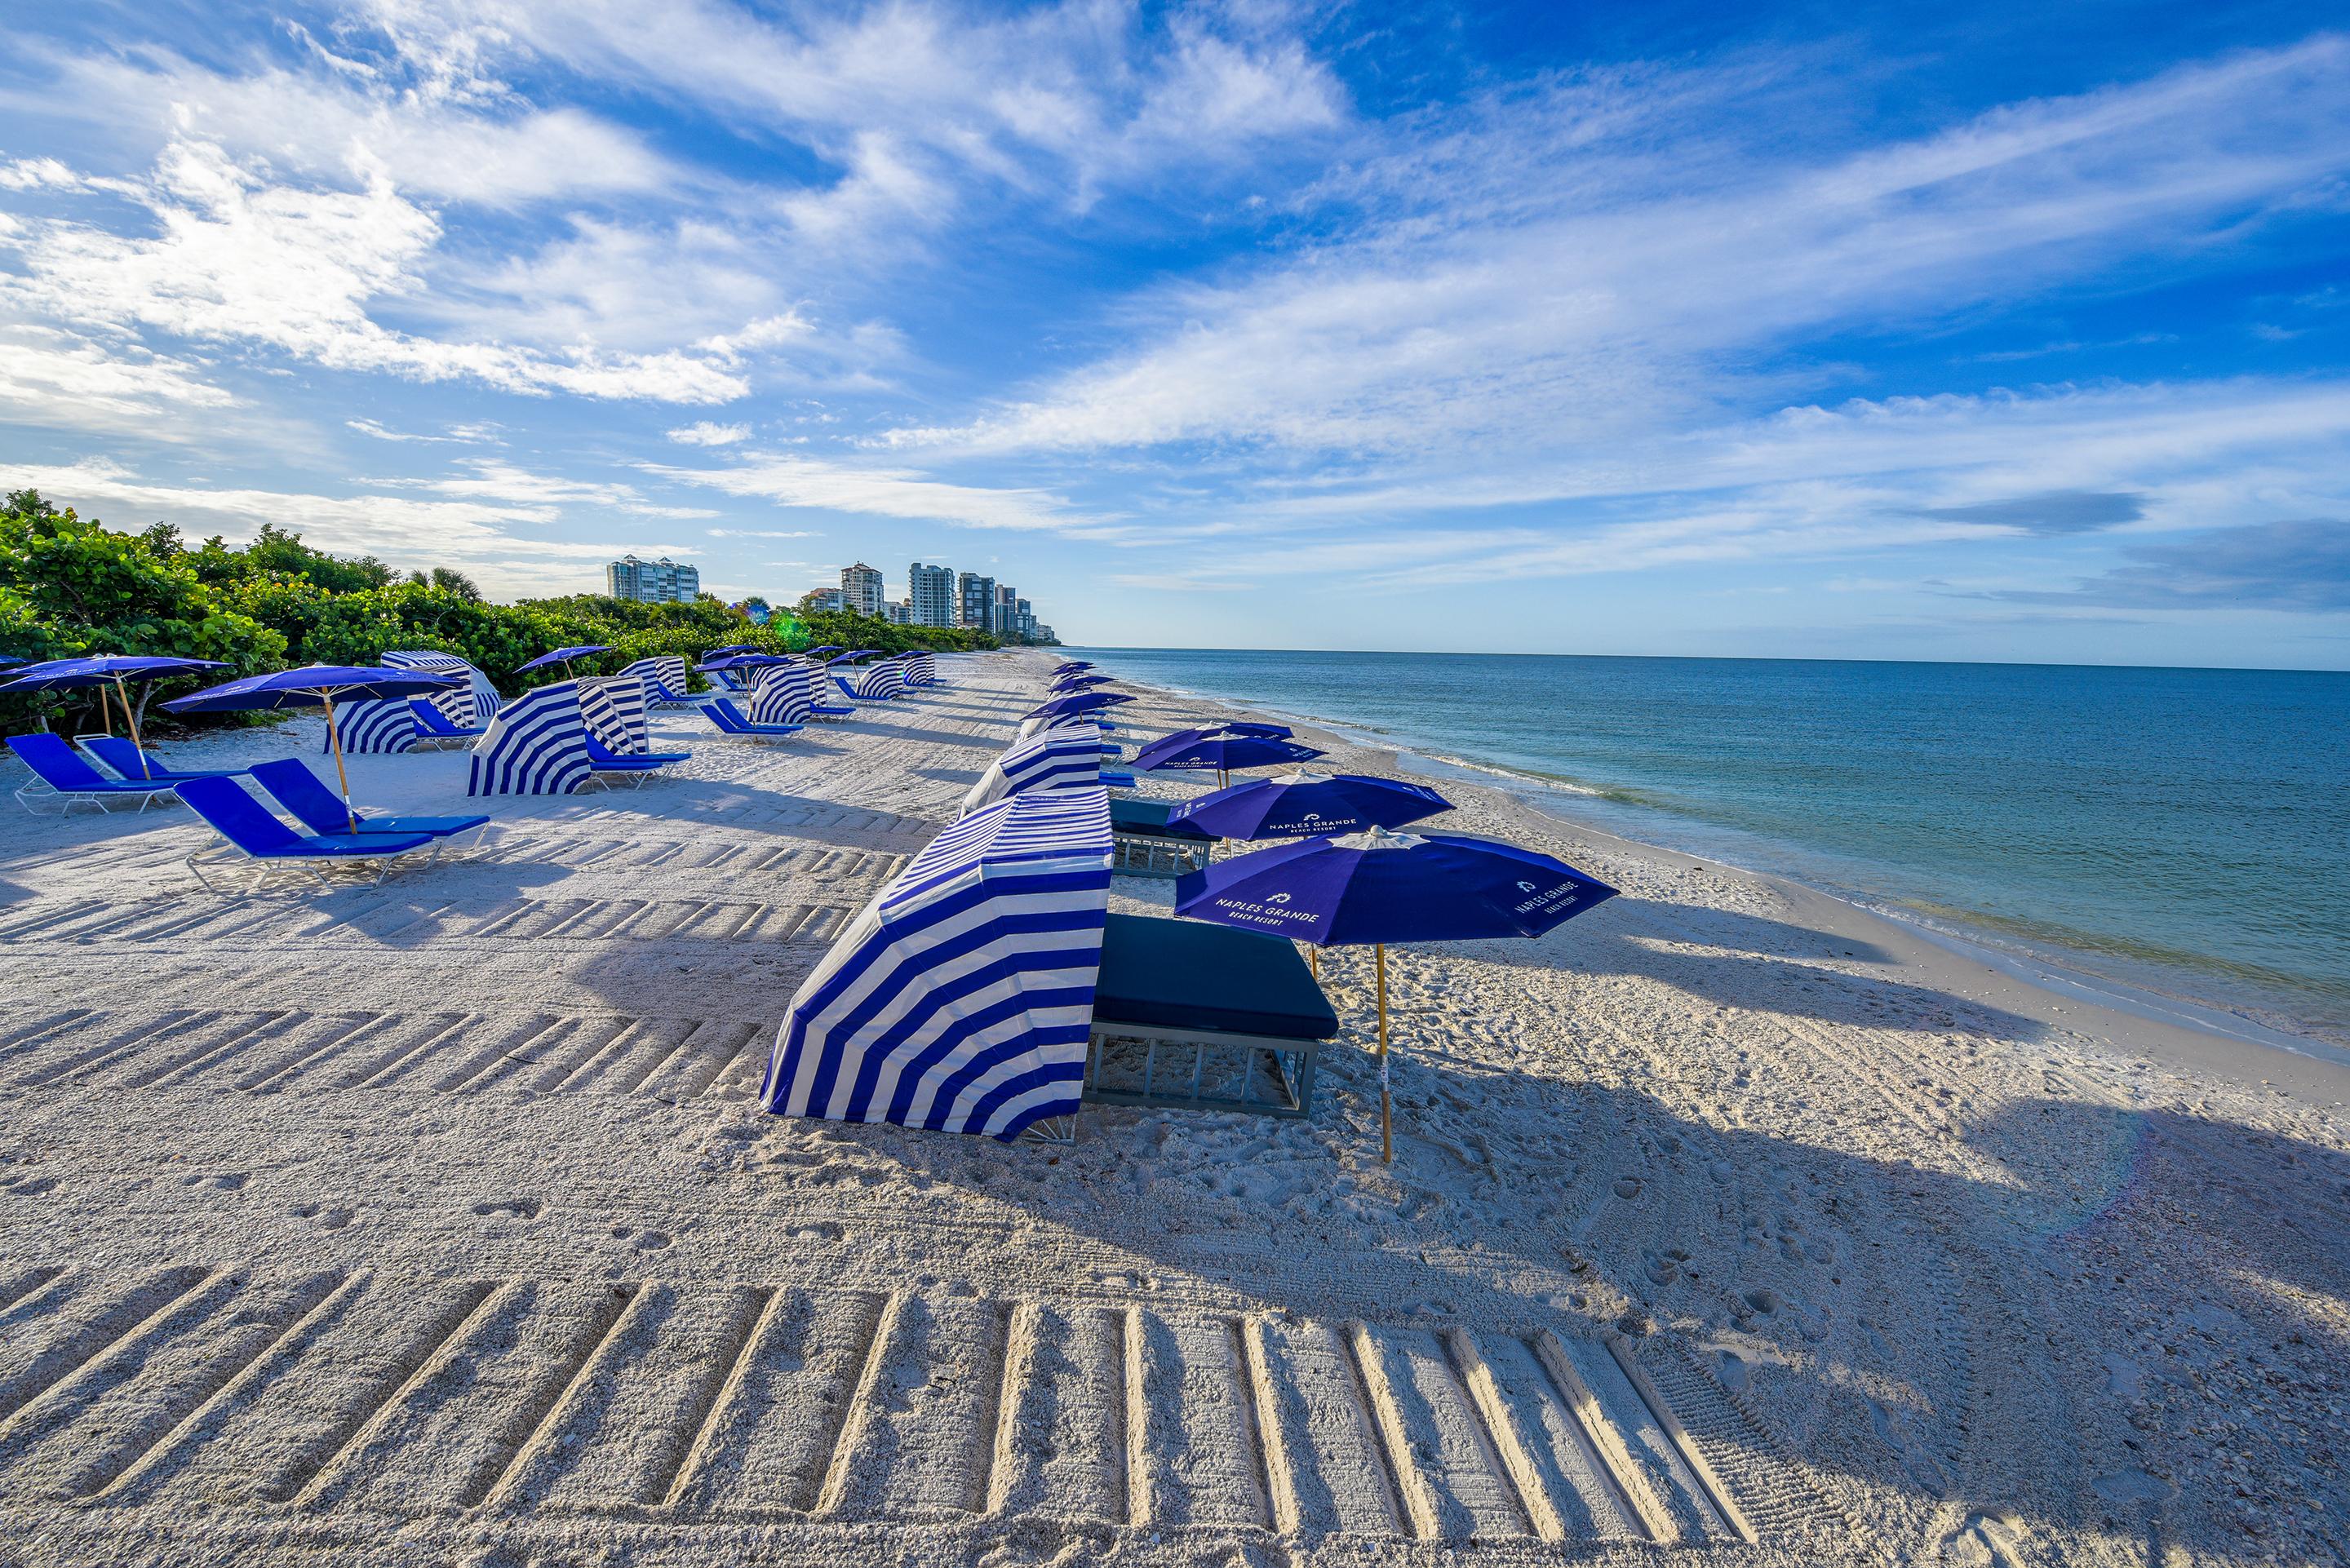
49,756
294,786
123,757
1183,974
1147,819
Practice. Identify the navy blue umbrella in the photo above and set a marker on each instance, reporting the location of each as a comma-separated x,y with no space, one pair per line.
827,648
99,670
743,662
729,647
1076,702
1065,667
1266,731
315,686
851,658
1381,887
564,656
1078,682
1303,804
1220,752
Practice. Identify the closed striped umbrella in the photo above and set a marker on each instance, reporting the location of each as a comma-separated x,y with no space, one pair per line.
960,998
468,707
1063,756
536,744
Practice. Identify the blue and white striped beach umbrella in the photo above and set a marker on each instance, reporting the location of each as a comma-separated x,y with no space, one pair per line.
960,998
662,676
536,744
379,727
468,707
614,709
784,693
1059,756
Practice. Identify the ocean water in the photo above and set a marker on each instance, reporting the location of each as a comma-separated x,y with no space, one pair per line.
2183,831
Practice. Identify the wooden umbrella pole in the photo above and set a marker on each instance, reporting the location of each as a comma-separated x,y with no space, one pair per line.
105,711
1387,1117
342,774
131,722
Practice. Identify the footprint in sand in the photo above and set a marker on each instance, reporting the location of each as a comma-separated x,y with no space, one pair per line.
518,1208
28,1185
220,1181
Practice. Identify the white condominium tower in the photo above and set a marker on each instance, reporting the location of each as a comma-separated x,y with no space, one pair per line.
860,588
931,594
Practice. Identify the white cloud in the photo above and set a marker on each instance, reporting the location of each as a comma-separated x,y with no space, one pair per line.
58,379
496,480
702,432
764,534
352,126
1479,307
883,491
238,258
37,174
464,435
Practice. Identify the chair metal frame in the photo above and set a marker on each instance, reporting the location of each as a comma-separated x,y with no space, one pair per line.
1149,855
270,867
1288,1076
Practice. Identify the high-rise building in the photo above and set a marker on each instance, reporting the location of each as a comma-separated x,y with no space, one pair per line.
898,612
1024,622
860,588
651,581
822,599
931,591
1006,599
977,609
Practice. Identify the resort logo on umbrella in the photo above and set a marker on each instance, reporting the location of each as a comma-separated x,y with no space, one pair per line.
1274,911
1559,897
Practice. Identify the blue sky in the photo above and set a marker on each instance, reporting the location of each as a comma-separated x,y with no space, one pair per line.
1818,331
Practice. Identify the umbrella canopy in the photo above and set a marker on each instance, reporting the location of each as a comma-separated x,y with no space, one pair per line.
1263,732
1220,752
105,669
562,656
827,648
1079,682
1065,667
1381,887
1303,804
851,657
744,661
315,686
731,647
1076,702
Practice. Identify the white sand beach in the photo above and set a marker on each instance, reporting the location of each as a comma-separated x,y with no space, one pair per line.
433,1224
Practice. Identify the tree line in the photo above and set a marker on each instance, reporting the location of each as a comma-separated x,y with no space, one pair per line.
71,588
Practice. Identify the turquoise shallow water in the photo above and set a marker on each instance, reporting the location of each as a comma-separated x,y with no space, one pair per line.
2187,830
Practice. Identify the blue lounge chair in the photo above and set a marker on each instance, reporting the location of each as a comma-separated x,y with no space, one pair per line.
243,821
433,728
293,785
639,766
730,721
58,773
119,758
